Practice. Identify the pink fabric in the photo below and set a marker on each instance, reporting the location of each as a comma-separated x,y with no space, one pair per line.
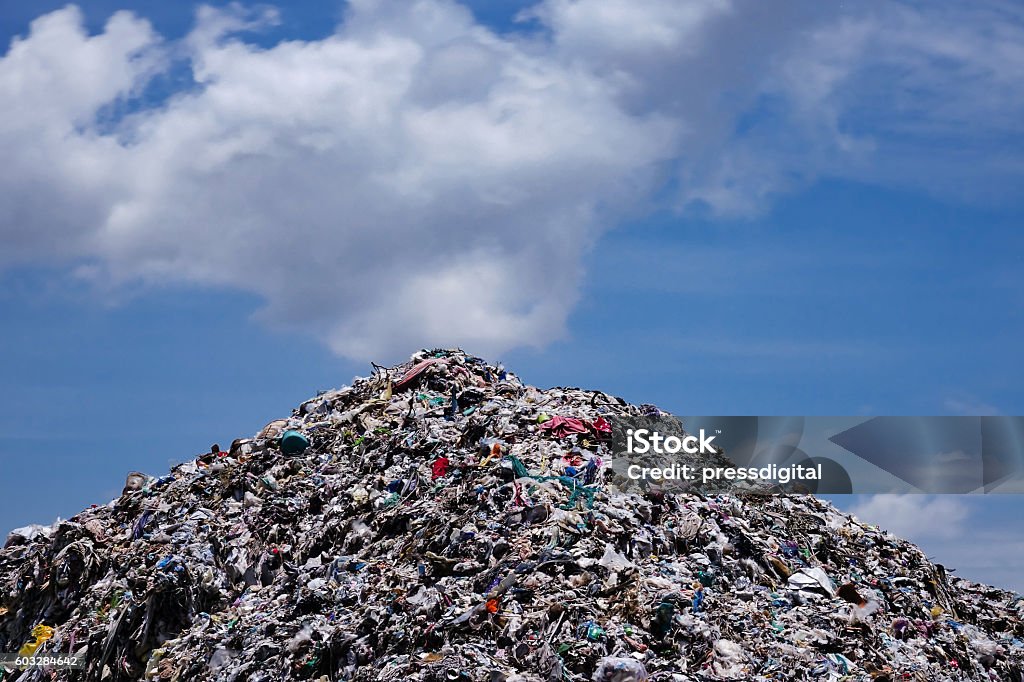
411,375
560,427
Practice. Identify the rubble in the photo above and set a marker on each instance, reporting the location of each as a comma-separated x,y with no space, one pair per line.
440,520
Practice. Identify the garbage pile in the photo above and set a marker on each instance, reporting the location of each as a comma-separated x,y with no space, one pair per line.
440,520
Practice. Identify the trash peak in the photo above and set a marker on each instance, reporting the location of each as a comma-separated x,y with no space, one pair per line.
442,520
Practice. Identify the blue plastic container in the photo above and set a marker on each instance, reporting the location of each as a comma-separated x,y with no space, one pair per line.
293,443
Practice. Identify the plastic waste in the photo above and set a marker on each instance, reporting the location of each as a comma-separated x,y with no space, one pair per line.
614,669
293,443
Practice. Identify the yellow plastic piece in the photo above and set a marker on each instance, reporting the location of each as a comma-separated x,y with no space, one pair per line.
40,633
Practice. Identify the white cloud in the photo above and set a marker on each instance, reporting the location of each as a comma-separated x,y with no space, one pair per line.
926,95
913,516
617,33
416,178
965,533
405,181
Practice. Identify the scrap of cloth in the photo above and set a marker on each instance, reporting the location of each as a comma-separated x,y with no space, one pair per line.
560,427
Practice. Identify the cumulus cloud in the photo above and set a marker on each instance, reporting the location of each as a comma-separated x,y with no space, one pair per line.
918,517
966,533
417,178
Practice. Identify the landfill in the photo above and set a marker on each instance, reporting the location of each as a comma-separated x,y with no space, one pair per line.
442,520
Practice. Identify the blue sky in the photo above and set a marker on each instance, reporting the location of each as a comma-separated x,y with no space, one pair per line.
718,208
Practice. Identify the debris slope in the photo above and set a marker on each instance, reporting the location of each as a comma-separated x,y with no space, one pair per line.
440,520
